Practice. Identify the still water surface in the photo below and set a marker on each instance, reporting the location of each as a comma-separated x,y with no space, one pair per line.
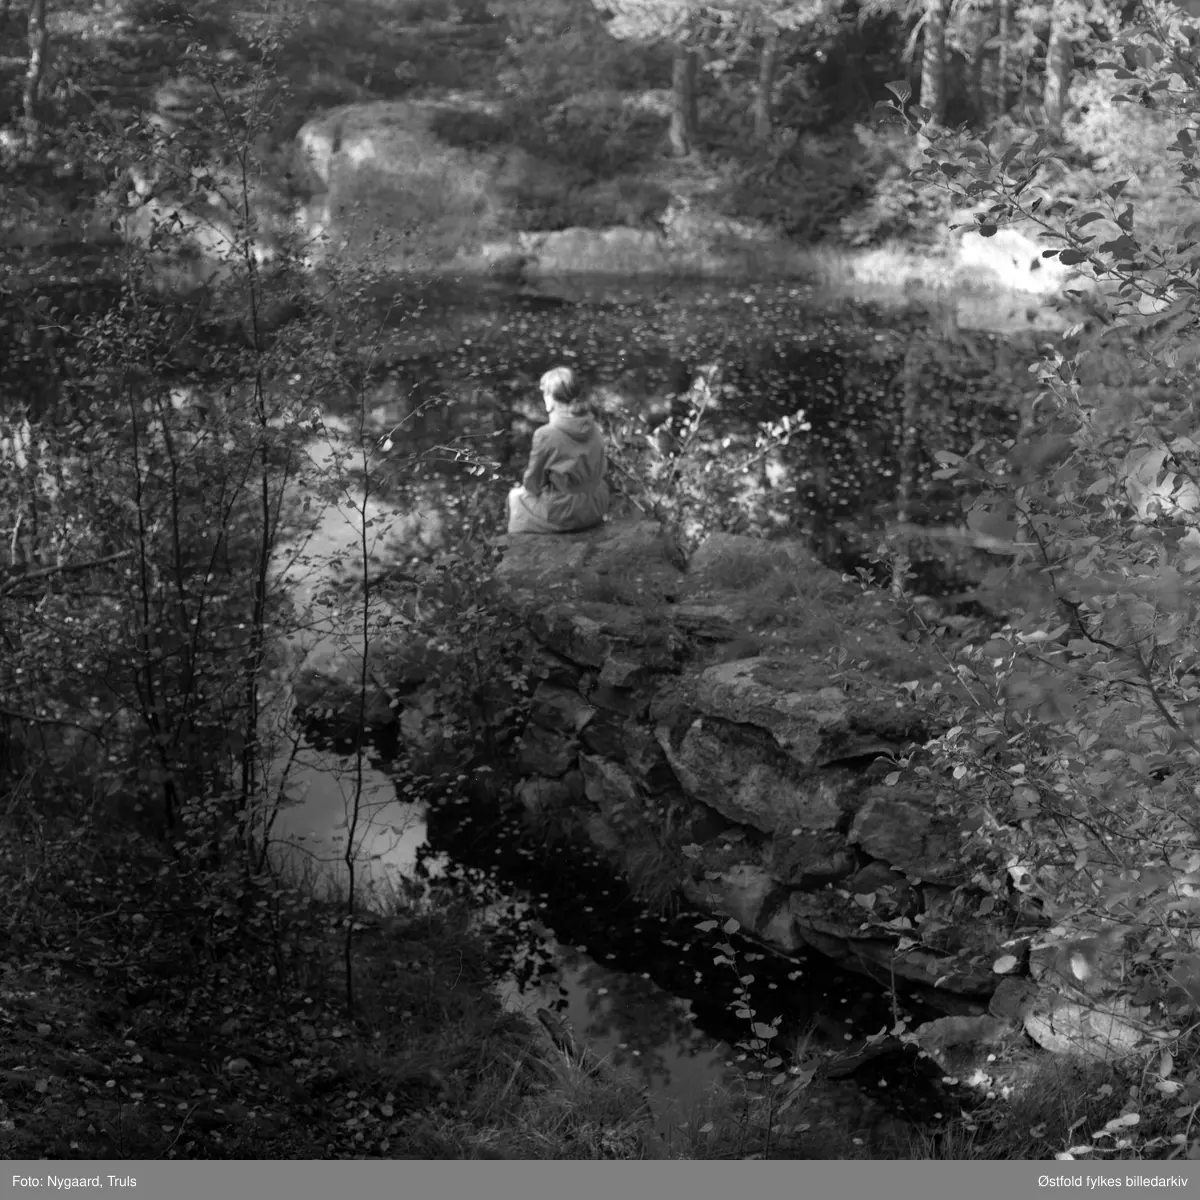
639,989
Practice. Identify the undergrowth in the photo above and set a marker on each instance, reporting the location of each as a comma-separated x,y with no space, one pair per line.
128,1036
1068,1106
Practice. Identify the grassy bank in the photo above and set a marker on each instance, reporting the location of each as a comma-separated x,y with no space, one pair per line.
1092,1111
134,1030
129,1034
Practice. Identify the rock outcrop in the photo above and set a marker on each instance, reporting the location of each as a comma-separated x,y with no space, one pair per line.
728,726
719,709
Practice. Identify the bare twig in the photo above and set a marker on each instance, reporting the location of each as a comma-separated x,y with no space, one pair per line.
38,719
182,1125
24,577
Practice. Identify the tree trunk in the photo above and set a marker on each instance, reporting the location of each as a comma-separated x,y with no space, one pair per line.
933,60
39,45
1060,58
766,78
1004,23
978,92
682,131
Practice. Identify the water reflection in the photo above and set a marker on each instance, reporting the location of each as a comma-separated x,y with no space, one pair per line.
631,1025
623,1017
640,991
329,804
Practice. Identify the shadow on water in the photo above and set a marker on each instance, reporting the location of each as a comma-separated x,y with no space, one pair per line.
639,989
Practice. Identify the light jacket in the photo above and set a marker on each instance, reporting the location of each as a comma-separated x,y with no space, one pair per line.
564,487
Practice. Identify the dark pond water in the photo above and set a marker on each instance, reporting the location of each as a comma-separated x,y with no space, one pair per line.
640,989
462,361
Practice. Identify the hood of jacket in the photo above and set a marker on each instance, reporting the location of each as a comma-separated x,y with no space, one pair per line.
578,427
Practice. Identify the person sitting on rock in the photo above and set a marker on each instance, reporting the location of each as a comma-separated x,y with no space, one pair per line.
563,490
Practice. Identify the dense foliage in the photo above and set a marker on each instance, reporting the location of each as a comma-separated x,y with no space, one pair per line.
1075,724
166,463
782,95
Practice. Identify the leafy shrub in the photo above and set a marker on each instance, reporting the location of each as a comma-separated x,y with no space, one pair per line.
1120,139
1077,726
595,134
812,186
690,477
1124,141
471,710
552,205
895,207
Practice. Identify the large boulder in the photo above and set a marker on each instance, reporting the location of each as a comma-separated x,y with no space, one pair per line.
401,167
743,891
618,249
955,1043
634,563
717,765
1095,1029
380,168
815,720
909,828
1082,1005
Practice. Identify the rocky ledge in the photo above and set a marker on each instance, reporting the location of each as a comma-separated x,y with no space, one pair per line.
726,727
697,701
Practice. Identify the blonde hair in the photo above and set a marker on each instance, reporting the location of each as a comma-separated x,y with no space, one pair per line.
563,386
